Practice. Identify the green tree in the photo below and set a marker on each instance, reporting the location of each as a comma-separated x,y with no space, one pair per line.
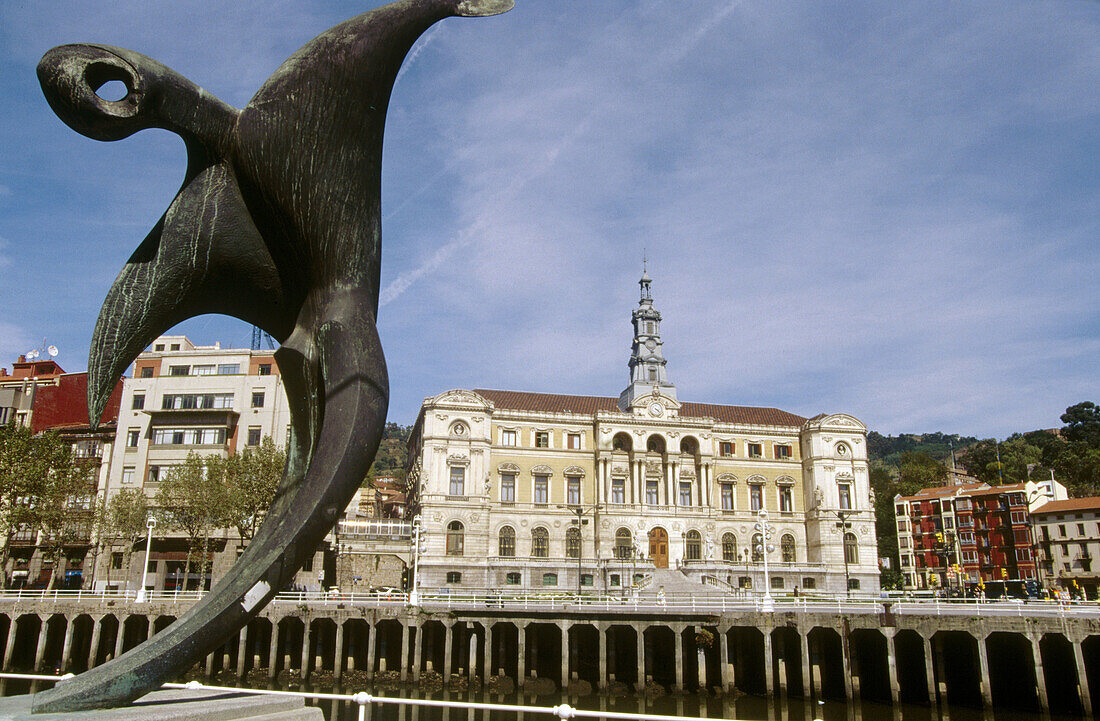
250,480
919,470
192,499
123,523
1082,424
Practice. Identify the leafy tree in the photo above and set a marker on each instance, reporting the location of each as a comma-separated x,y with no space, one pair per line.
919,470
123,522
1082,424
392,452
250,480
192,499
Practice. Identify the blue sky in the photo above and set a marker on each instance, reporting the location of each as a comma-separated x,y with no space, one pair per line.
887,209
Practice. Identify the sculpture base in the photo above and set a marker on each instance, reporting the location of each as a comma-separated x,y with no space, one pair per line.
177,705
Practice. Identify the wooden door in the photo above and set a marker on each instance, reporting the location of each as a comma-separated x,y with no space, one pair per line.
658,547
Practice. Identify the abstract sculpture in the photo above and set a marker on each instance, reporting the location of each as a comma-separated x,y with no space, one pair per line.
277,223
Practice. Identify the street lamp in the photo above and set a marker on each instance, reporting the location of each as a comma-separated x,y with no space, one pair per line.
150,523
765,536
414,594
581,521
844,524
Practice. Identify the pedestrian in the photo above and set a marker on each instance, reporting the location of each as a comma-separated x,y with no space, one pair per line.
661,595
796,590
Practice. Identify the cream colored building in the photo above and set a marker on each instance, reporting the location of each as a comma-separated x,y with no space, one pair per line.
500,480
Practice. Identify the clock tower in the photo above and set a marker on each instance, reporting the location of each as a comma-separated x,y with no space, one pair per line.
649,382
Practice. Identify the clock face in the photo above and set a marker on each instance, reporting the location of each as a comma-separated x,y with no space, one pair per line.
656,409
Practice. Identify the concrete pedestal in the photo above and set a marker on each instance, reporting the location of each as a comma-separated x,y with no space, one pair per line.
178,705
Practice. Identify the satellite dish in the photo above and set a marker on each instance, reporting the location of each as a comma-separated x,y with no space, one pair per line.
52,350
32,354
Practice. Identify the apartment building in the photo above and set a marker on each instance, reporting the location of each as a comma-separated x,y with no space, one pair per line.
1067,535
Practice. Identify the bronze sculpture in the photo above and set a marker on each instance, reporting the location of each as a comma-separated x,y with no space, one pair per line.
277,223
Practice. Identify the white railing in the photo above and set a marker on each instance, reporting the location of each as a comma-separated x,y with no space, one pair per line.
741,602
378,528
561,711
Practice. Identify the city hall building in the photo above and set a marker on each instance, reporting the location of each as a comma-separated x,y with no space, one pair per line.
539,491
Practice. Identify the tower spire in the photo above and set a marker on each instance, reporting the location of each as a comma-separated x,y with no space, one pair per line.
648,375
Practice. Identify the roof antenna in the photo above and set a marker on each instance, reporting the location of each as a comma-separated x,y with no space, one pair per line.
644,260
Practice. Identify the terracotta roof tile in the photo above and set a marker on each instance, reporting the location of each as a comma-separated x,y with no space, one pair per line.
1073,504
590,405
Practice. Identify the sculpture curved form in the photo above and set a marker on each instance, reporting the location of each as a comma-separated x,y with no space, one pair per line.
277,223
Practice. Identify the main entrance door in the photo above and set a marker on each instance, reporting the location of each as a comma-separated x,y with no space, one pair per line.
658,547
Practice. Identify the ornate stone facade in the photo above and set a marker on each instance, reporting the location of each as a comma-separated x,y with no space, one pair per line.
503,478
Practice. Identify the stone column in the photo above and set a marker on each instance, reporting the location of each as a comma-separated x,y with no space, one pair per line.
769,675
487,652
892,660
404,652
724,659
564,627
983,670
929,669
418,652
804,648
1040,675
151,629
304,675
273,650
9,645
471,650
639,646
338,660
448,647
601,682
93,645
1082,678
209,669
521,644
679,646
846,660
40,649
670,484
242,651
120,638
67,644
372,642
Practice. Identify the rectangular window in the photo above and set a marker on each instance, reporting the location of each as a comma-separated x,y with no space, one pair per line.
138,402
193,401
618,490
132,436
263,369
179,370
542,439
154,474
454,577
783,452
253,436
1017,516
512,579
756,450
756,497
116,561
777,581
174,346
786,502
727,496
586,579
652,492
159,347
147,372
725,449
549,579
845,491
128,474
507,438
573,491
203,370
542,490
507,488
574,441
258,399
685,494
229,369
458,481
809,583
1080,526
189,436
614,580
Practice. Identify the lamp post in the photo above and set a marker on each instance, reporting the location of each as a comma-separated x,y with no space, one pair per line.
414,593
581,521
844,524
765,536
150,523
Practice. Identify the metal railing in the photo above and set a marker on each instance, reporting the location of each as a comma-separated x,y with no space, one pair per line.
363,699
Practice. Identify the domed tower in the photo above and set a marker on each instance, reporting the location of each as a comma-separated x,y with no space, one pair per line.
648,375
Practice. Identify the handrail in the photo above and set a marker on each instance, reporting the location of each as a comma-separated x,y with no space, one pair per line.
561,711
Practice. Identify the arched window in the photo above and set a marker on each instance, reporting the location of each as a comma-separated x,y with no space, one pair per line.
624,543
757,548
729,548
507,541
454,538
851,548
655,444
540,543
573,542
786,546
621,442
693,546
688,445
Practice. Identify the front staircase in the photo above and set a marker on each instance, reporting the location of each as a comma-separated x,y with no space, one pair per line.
675,583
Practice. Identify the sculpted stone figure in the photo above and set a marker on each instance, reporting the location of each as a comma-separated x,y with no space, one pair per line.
277,223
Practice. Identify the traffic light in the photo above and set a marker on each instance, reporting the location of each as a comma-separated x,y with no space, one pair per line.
1004,573
939,538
